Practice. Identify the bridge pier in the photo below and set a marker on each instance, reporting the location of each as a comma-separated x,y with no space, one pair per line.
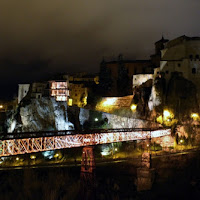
88,175
88,161
145,174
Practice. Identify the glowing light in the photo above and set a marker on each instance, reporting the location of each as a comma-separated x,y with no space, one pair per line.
166,113
105,153
109,102
48,154
159,119
96,120
56,155
61,98
167,118
17,158
1,106
33,157
70,102
195,116
133,107
116,149
181,141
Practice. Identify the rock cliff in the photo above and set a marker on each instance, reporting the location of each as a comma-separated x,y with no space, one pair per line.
39,115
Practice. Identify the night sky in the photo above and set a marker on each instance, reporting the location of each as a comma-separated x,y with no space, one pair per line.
41,37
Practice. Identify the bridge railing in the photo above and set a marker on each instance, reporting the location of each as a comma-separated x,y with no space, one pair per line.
34,134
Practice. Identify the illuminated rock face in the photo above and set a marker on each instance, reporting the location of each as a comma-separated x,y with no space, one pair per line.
41,114
114,121
155,98
124,122
83,115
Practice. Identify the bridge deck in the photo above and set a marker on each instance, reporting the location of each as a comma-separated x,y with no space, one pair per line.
21,143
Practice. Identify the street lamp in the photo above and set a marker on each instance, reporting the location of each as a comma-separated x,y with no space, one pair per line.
133,107
181,141
56,156
194,116
96,119
33,157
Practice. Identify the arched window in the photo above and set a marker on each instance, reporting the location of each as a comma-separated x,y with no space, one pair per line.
191,57
194,70
197,56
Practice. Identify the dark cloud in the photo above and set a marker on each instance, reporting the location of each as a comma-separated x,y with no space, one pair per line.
74,35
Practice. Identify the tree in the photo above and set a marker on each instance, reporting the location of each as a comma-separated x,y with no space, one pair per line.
105,80
123,82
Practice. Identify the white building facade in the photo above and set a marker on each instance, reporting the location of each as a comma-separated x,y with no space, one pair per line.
182,55
22,91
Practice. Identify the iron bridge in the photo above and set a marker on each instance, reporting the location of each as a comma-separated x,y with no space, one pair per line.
29,142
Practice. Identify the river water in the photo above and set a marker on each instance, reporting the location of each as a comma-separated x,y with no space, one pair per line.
177,177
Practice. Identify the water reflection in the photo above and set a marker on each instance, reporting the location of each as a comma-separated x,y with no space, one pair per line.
175,178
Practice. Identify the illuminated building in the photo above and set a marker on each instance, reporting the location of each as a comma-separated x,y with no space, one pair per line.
80,85
156,58
182,55
34,90
78,94
59,90
38,90
54,88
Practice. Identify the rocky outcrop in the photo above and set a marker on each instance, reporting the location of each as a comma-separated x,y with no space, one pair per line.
177,94
39,115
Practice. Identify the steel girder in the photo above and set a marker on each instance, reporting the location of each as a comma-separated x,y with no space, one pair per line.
30,145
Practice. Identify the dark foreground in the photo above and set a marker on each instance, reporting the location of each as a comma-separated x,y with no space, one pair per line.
177,177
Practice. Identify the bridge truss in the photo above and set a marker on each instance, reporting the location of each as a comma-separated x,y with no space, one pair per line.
30,143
